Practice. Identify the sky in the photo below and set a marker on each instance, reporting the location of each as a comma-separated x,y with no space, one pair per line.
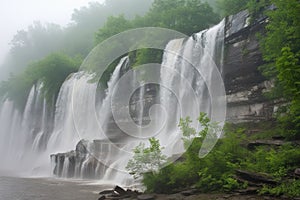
19,14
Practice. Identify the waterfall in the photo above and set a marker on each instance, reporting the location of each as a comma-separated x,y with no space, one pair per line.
10,123
185,83
66,133
105,112
24,135
82,121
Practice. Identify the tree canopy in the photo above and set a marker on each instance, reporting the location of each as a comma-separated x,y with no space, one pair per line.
50,71
281,50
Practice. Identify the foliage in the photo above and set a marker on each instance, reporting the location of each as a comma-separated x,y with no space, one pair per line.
188,132
51,71
31,44
216,171
282,29
281,50
289,188
145,56
146,159
217,168
186,16
16,88
113,26
257,8
273,161
230,7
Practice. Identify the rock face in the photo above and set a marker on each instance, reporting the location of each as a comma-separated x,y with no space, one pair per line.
84,161
244,83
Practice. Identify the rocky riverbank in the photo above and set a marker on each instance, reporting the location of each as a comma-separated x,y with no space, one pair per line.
119,193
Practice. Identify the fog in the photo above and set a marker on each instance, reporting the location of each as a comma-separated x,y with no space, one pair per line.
17,15
32,29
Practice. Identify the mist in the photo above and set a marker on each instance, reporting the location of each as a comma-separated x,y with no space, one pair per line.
33,29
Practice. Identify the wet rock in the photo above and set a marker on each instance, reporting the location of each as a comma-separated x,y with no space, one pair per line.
176,197
81,146
146,197
120,190
101,198
90,167
257,143
249,190
107,192
189,192
245,85
133,193
297,172
255,177
118,193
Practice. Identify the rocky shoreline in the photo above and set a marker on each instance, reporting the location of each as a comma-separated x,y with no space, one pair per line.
119,193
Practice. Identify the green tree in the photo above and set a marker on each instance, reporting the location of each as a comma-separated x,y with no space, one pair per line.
50,71
230,7
281,50
31,45
113,26
146,159
186,16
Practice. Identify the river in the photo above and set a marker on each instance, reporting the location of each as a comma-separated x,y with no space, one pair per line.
16,188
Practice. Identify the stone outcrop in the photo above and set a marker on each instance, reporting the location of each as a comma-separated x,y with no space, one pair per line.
84,161
245,85
255,179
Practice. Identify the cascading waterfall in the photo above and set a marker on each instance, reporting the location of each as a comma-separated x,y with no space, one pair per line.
10,122
24,135
207,48
66,133
84,122
105,111
42,131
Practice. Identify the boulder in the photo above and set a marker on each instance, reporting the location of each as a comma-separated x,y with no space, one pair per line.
297,172
120,190
101,198
107,192
82,146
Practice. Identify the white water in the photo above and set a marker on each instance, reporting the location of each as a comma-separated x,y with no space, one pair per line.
105,111
67,133
187,93
22,136
10,122
32,136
